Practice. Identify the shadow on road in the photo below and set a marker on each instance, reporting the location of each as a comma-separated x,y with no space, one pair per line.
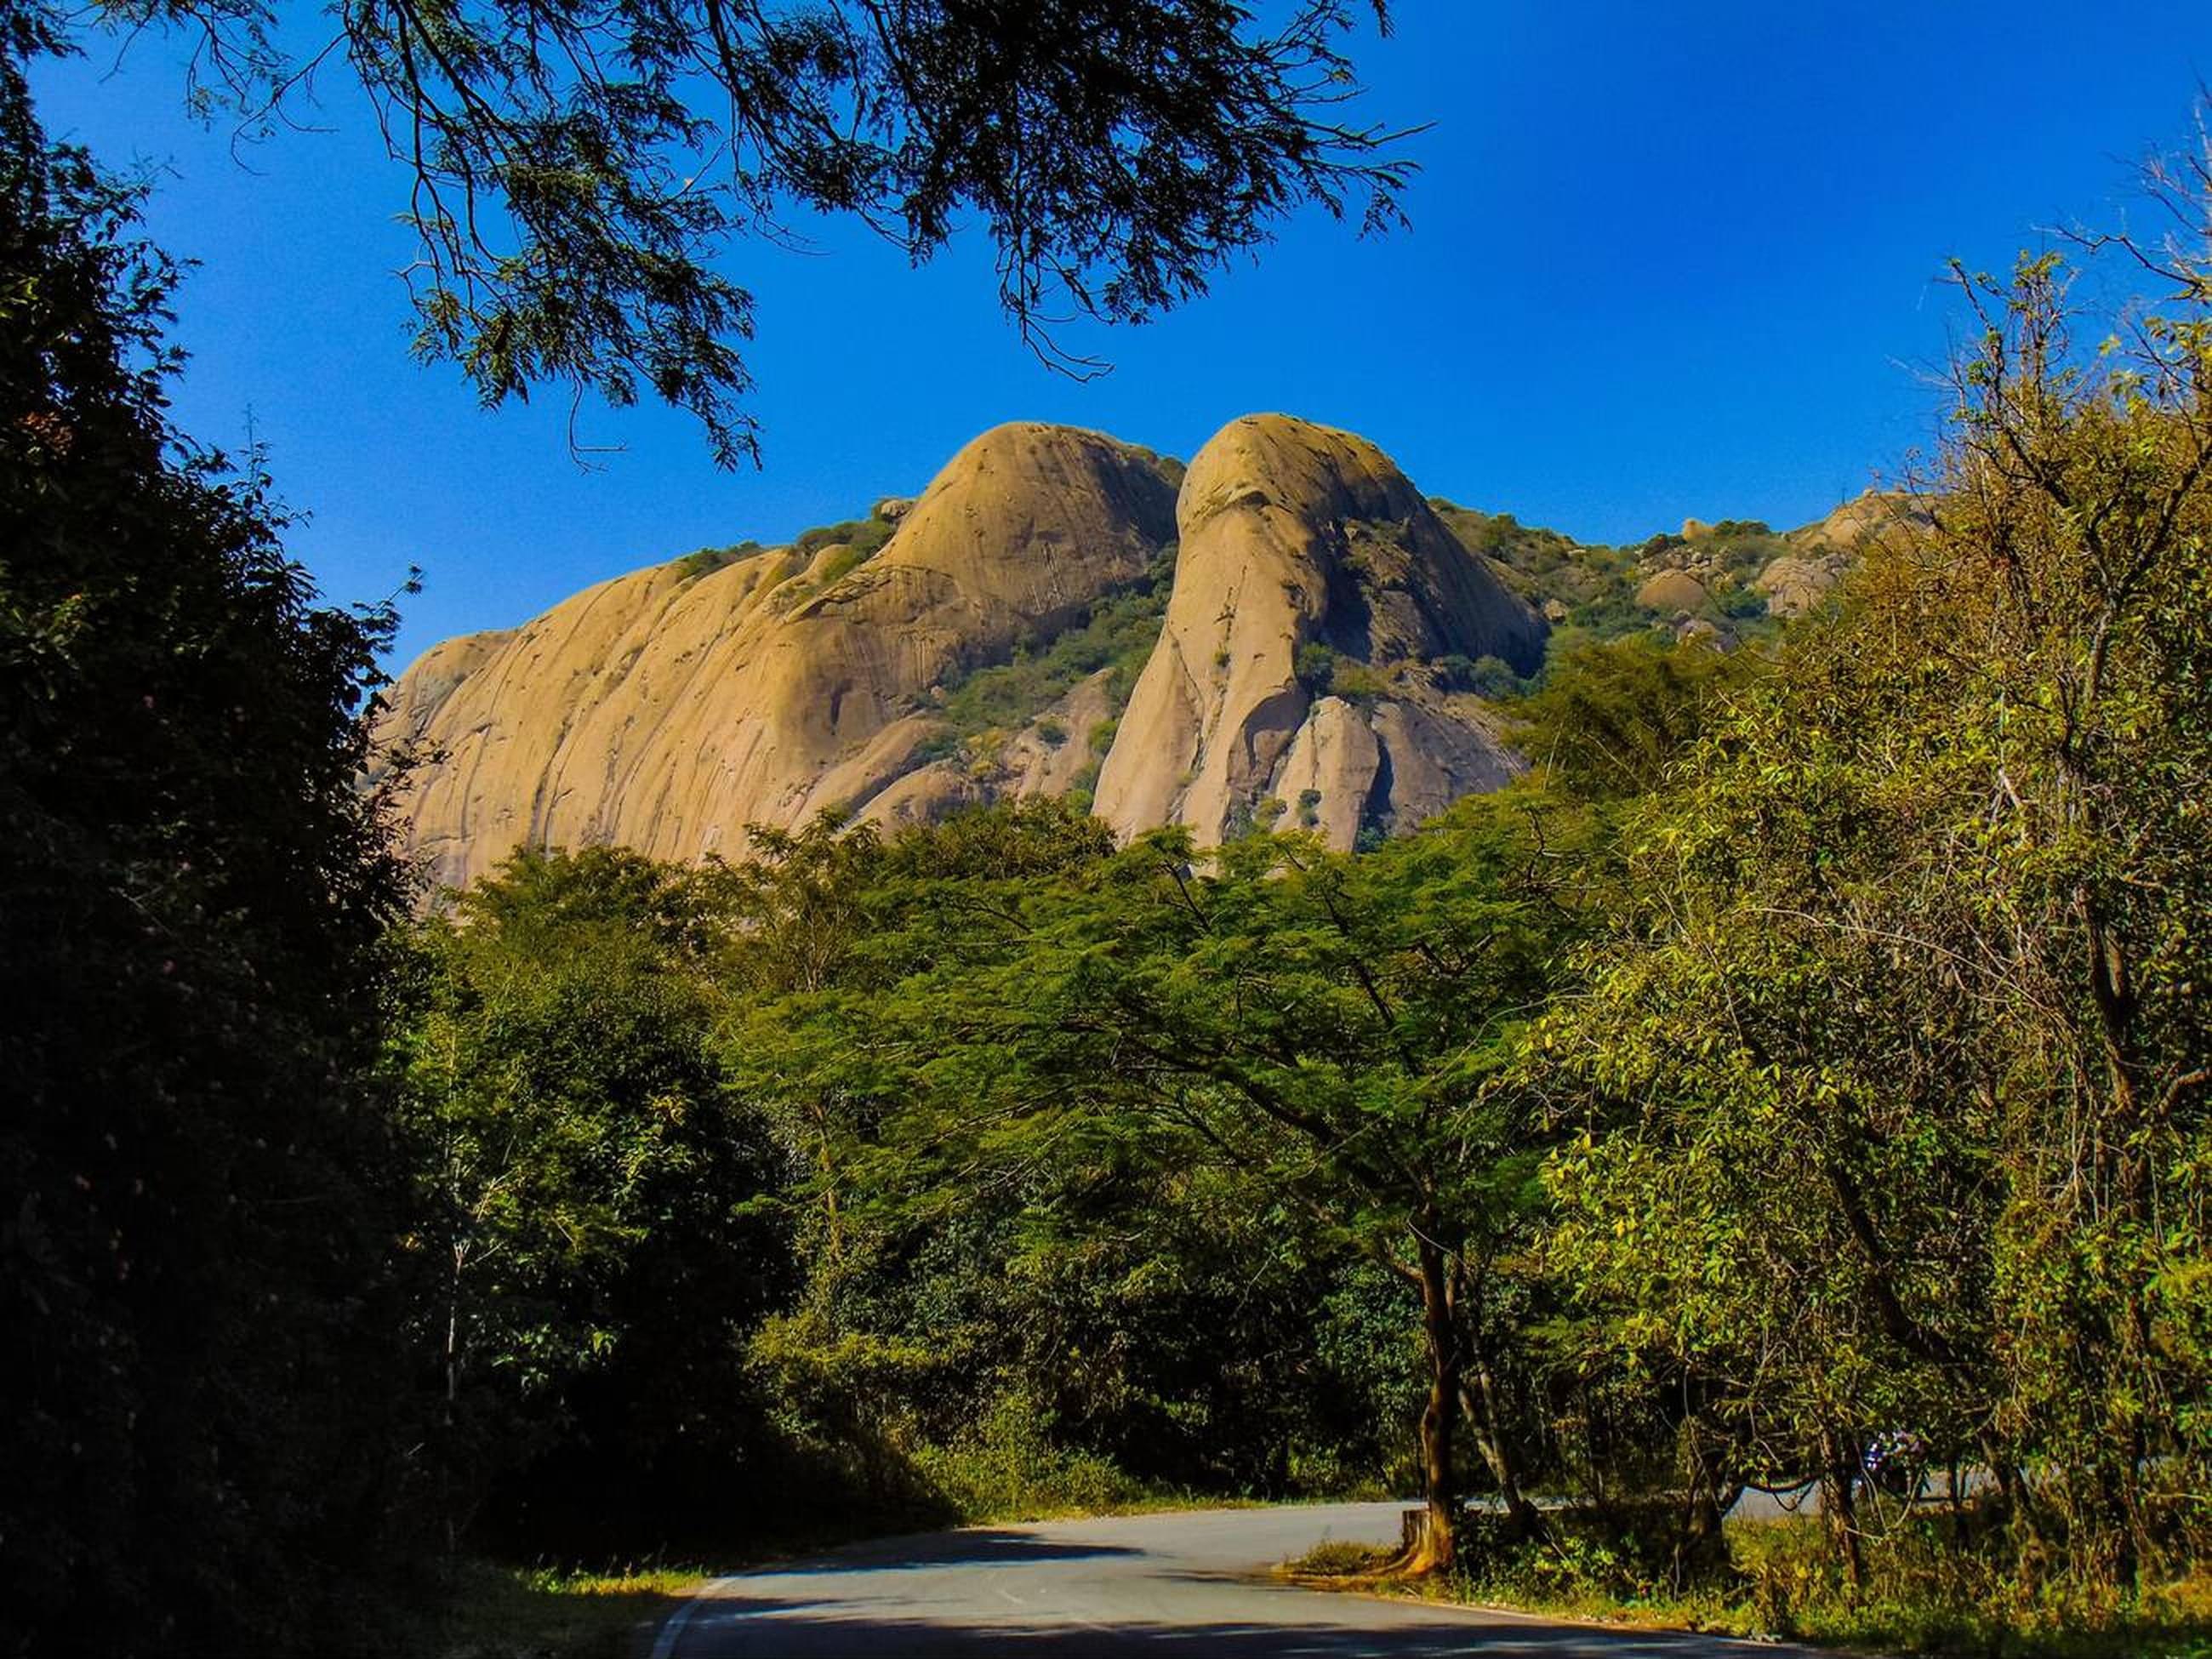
977,1546
747,1627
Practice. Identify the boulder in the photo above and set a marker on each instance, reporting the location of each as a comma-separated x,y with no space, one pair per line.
1671,591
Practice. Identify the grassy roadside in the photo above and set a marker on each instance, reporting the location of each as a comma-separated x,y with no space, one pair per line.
494,1611
1780,1585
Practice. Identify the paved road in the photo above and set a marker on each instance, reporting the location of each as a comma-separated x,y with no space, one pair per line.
1145,1585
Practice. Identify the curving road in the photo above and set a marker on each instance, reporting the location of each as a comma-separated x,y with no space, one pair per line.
1142,1585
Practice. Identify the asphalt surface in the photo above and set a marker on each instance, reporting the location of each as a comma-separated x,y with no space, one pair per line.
1193,1583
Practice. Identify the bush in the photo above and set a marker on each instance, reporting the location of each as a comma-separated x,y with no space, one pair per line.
866,535
1010,1469
708,559
1744,604
1315,666
1355,682
1486,676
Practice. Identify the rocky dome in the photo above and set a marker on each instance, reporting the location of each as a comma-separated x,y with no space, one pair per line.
669,709
1305,665
1296,679
1793,586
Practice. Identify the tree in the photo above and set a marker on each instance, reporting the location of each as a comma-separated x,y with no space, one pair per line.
593,1234
981,1335
576,168
1330,1030
204,1408
1902,1055
1612,715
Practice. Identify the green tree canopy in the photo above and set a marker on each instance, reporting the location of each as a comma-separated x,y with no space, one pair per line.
1901,1067
1334,1031
592,1231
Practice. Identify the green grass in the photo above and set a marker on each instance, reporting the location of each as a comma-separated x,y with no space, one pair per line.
1118,632
1338,1558
492,1612
1008,1469
1926,1593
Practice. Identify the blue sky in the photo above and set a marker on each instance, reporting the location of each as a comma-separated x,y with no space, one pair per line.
1665,261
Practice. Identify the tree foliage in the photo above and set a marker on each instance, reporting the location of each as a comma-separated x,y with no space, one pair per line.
1901,1070
1613,715
203,1400
590,1226
1329,1032
577,170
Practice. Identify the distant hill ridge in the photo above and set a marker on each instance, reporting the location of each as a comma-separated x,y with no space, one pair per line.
1285,634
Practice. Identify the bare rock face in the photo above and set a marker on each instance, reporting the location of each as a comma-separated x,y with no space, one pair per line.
1051,754
667,710
1822,551
1859,521
1295,679
1321,622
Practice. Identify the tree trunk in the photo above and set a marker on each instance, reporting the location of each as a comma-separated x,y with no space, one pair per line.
453,1357
1701,1542
2023,1514
1478,1395
1438,1548
1839,1468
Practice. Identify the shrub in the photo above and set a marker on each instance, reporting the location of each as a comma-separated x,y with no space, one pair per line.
1356,682
1315,665
1743,604
1009,1468
708,559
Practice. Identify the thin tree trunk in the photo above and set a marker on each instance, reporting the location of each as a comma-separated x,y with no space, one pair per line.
1839,1467
1478,1395
452,1397
1700,1544
2021,1509
1437,1550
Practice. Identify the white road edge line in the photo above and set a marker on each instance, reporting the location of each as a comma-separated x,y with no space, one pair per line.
664,1645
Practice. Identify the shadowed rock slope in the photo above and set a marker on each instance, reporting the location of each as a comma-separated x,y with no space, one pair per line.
1302,665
